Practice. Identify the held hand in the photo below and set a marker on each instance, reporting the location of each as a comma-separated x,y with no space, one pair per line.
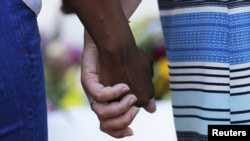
114,117
90,71
109,28
135,70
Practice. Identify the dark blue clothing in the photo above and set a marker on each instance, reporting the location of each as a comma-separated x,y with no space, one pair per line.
23,115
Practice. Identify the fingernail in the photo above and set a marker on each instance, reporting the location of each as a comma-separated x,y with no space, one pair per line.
135,111
132,100
128,133
125,88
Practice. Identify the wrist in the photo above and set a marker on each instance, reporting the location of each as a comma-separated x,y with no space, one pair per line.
117,44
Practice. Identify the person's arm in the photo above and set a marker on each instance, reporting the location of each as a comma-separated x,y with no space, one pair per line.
120,61
129,5
114,117
106,24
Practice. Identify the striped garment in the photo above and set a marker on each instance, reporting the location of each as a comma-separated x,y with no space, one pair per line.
208,51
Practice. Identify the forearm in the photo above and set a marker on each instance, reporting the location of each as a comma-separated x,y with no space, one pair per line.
107,24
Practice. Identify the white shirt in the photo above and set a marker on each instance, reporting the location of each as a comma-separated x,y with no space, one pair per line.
35,5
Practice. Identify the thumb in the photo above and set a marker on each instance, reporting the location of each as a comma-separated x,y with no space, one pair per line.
151,107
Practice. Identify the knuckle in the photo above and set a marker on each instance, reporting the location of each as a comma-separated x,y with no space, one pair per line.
126,122
99,96
101,114
104,128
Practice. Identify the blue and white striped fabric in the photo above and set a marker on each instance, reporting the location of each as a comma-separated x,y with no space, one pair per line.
208,51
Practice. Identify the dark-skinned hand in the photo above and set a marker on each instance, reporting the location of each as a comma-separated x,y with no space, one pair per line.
136,71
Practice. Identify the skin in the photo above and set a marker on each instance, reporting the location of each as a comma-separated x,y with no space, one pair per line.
109,114
119,59
115,72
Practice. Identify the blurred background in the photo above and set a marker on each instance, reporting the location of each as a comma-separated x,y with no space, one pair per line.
69,115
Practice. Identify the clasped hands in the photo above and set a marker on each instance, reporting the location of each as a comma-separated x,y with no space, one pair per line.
116,83
119,88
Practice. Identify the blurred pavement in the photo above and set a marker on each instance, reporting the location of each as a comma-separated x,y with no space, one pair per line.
81,124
